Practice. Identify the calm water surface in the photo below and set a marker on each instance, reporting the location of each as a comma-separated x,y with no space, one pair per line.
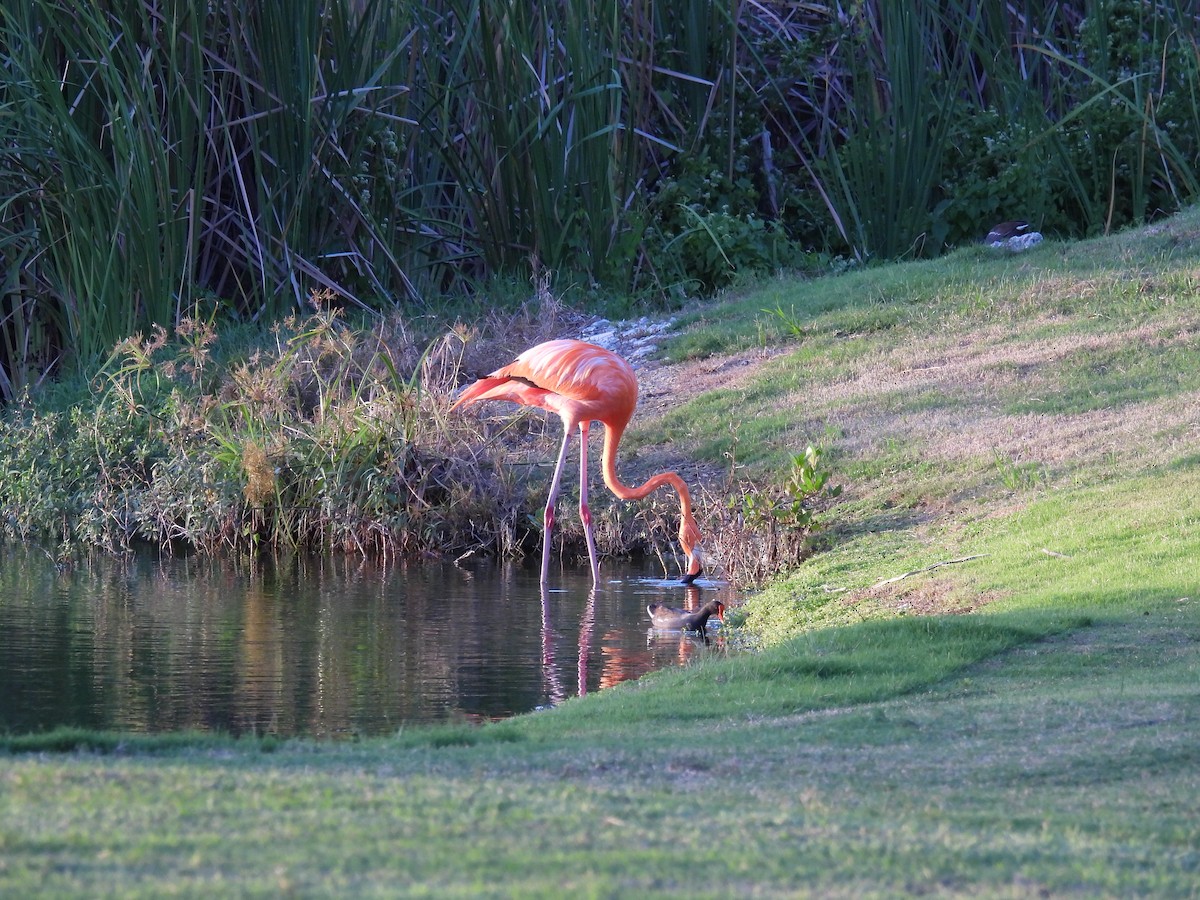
322,647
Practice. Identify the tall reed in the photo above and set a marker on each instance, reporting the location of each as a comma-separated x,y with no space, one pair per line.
387,151
161,153
904,78
1094,104
109,166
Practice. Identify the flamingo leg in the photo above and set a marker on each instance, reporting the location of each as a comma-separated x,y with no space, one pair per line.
585,514
548,520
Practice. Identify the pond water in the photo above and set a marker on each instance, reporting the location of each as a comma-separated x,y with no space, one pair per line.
322,647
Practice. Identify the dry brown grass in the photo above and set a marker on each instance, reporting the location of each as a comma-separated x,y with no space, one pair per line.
971,371
939,419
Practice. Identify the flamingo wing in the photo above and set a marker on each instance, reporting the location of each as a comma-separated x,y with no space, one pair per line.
500,387
561,370
574,369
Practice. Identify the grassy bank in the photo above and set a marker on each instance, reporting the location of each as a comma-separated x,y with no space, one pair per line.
953,390
1044,746
985,683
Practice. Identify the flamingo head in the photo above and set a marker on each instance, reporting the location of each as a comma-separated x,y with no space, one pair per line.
689,538
695,564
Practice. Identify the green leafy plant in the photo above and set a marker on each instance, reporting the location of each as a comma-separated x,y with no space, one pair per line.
809,480
764,532
714,248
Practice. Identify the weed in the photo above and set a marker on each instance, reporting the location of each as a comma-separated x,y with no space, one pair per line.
761,530
1018,476
789,320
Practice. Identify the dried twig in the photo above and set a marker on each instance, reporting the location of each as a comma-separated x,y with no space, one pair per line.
949,562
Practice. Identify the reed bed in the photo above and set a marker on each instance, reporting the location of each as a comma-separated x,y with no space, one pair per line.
156,154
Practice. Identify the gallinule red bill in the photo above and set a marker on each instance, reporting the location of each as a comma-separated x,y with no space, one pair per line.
671,618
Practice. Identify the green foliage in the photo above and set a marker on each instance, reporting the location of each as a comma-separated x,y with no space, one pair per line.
891,159
190,151
902,130
808,480
706,230
1135,140
804,484
768,529
713,248
68,474
402,153
387,151
997,171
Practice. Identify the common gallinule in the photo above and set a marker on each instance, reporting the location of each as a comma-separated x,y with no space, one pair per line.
671,618
583,383
1005,231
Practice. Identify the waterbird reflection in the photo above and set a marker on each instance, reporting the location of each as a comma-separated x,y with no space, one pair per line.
621,659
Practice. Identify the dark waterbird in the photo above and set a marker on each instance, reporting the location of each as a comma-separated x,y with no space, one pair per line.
671,618
1006,231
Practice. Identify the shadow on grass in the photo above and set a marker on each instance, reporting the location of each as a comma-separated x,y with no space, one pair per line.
84,740
829,668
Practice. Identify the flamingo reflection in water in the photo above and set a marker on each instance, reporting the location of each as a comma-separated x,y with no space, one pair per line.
556,692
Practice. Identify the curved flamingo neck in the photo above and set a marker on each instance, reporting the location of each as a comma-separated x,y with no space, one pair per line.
689,532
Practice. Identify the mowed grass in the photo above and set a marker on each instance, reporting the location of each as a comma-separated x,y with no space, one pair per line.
987,684
1047,744
975,336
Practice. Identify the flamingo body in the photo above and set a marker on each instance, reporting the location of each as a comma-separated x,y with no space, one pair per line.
582,383
567,377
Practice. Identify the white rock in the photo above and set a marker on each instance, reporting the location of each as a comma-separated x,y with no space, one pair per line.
605,339
1019,242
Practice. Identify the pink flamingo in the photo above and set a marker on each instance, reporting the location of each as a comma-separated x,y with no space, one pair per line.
583,383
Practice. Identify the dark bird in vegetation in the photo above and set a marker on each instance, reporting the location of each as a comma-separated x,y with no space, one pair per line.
1006,231
583,383
670,618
